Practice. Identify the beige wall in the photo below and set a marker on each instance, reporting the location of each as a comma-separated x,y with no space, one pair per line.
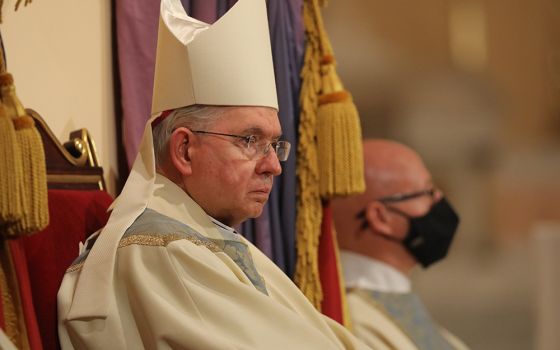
59,53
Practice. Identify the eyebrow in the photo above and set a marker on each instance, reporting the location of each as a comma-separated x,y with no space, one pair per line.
259,132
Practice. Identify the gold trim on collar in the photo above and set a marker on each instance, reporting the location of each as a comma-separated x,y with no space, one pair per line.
154,240
150,239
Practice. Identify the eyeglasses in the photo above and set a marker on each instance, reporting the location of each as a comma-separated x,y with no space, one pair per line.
406,196
254,146
394,198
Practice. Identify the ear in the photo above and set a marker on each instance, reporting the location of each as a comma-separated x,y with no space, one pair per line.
377,217
180,144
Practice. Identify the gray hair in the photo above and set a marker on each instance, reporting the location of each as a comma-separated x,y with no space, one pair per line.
196,117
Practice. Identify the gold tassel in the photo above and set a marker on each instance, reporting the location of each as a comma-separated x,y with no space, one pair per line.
36,217
330,158
11,169
11,172
34,179
339,134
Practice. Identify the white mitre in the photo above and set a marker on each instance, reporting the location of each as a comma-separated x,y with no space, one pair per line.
228,63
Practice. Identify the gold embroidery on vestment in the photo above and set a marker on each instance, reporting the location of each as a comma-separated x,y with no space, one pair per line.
75,267
164,240
154,240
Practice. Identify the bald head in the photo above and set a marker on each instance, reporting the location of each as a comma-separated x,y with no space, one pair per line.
390,168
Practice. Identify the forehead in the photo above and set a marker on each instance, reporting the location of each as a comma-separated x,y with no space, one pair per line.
416,176
257,120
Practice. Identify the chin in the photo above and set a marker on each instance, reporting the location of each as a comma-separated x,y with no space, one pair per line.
256,211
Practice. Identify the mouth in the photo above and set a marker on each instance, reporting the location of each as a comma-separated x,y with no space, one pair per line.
261,194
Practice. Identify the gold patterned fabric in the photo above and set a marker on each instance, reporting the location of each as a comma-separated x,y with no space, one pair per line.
157,230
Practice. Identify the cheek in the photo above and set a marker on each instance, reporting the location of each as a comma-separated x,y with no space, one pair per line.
231,179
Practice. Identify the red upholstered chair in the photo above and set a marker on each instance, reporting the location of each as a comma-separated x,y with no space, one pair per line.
77,206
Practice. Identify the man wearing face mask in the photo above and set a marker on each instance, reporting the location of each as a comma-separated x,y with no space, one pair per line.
401,220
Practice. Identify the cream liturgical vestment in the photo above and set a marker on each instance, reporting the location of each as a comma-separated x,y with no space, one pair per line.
183,281
385,314
162,274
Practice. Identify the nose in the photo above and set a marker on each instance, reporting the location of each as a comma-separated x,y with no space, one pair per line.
269,164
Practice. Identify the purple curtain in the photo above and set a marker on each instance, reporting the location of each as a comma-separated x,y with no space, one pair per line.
274,231
137,24
137,20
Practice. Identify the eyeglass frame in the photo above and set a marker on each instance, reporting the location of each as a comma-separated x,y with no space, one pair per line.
395,198
275,145
400,197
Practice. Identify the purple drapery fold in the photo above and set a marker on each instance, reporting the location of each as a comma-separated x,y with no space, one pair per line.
204,10
137,25
137,20
287,39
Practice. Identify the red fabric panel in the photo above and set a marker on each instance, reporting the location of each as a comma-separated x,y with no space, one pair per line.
2,317
22,273
74,215
328,271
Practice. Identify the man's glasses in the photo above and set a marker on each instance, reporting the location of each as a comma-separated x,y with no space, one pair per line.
394,198
254,146
406,196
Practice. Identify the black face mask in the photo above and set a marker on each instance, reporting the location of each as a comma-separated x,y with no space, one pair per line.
429,237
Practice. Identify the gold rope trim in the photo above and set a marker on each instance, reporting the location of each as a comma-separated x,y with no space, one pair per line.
309,208
10,319
11,172
16,328
75,267
154,240
330,158
148,239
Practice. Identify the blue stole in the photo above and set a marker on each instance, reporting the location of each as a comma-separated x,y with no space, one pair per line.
408,312
153,223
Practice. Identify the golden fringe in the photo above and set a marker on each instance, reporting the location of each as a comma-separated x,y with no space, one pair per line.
36,215
309,208
31,181
340,143
11,172
14,319
339,134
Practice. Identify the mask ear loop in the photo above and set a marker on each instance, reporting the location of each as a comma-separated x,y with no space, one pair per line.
361,215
